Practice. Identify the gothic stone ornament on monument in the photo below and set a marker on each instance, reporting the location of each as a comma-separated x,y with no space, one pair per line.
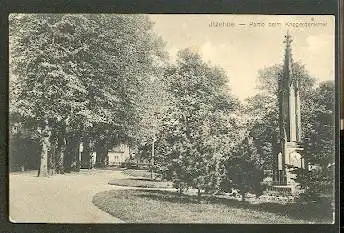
289,123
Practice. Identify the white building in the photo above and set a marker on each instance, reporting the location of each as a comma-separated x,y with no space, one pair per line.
118,155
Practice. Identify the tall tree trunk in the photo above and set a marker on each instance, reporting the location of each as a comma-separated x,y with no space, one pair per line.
69,153
52,156
67,161
76,163
86,157
61,146
71,160
101,153
152,159
199,195
45,142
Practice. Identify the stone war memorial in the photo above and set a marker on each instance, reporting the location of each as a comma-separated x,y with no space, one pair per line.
289,157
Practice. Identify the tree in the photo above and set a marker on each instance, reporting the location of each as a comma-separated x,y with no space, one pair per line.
99,61
244,169
262,109
319,143
317,119
153,106
319,146
39,74
197,119
127,53
263,127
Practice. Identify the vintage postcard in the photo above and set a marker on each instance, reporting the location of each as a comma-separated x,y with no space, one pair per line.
153,118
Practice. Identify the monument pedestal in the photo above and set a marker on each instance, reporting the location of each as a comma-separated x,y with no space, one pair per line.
291,182
284,177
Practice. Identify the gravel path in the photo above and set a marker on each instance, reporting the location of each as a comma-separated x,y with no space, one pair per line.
60,198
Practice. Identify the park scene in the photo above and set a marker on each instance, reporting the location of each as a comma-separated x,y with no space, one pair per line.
168,119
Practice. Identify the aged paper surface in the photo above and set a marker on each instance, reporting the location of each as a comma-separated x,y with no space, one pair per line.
171,118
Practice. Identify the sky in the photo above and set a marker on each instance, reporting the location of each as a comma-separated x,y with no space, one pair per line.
244,44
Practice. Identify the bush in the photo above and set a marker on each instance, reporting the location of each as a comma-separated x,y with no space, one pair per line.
243,170
243,175
317,185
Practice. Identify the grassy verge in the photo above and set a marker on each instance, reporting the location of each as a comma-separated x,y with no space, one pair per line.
156,206
141,183
137,173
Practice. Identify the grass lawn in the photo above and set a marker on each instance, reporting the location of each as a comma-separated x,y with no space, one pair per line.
156,206
137,173
141,183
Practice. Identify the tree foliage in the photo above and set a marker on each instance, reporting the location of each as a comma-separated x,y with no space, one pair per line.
243,169
197,125
317,119
263,112
319,145
81,73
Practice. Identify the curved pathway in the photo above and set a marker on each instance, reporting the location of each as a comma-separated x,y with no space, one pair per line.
60,198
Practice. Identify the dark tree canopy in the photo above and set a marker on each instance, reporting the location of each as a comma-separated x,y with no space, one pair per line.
81,73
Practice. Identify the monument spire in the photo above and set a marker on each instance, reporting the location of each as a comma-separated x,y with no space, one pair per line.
288,61
289,116
290,97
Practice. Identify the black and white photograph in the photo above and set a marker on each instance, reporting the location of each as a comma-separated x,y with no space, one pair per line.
171,118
